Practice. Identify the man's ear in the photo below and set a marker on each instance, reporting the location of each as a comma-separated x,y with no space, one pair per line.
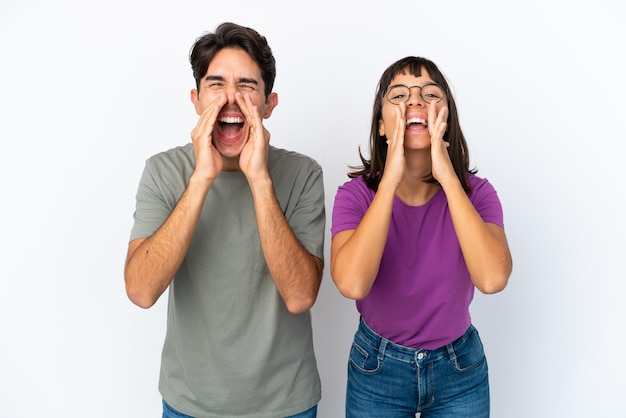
271,103
195,100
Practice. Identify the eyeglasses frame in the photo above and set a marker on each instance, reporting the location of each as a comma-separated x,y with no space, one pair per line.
430,83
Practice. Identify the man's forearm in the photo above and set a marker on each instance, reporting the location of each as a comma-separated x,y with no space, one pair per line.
296,273
152,262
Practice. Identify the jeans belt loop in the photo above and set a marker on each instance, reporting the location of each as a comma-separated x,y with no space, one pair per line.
451,351
382,348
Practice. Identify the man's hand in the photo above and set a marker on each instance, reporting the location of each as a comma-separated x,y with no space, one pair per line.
208,162
253,158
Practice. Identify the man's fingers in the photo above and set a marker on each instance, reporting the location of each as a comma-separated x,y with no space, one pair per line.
204,127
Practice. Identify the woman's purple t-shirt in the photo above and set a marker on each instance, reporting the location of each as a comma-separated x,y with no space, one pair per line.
423,290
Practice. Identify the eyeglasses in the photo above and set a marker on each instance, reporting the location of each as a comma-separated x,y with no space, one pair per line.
429,92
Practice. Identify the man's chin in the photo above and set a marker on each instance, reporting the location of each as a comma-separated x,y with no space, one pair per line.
228,150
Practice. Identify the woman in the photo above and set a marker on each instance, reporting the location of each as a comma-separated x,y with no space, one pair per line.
414,231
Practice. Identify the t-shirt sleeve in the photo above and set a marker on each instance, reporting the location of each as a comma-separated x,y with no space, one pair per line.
151,208
486,201
308,218
351,202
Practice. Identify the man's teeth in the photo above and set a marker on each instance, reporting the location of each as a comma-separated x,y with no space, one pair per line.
416,120
231,119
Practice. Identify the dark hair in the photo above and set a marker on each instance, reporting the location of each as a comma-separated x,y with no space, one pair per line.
231,35
372,170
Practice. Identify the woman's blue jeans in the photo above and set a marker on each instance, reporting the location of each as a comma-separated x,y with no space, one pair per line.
392,381
169,412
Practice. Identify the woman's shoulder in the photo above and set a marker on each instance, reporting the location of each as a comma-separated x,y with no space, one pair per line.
481,187
355,190
477,181
355,183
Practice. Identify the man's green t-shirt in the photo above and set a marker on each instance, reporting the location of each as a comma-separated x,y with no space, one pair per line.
231,348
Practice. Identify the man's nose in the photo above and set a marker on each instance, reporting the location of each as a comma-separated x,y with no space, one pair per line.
230,94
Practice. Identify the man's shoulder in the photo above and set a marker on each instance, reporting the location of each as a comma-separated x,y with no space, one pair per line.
180,155
284,156
174,152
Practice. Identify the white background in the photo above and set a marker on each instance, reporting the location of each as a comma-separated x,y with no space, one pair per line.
89,90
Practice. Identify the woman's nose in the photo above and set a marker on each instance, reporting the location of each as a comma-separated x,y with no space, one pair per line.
415,98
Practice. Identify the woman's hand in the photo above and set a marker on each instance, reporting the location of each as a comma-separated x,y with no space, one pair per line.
442,168
395,164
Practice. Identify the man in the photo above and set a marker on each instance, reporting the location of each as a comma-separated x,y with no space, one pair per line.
235,228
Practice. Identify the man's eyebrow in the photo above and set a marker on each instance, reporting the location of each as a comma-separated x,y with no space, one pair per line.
248,80
240,80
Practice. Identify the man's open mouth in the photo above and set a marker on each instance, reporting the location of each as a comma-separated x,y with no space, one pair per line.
230,126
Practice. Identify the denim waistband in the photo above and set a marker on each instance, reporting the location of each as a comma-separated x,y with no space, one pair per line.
389,348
